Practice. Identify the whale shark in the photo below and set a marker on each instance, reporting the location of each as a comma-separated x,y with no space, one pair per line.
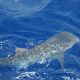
52,48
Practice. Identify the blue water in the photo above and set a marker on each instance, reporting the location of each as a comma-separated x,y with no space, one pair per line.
25,29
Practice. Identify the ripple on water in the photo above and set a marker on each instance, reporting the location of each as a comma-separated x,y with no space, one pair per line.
7,48
23,7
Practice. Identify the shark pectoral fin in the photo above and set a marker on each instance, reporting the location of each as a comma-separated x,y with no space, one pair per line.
60,57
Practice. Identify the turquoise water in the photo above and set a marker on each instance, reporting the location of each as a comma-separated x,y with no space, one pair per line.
26,26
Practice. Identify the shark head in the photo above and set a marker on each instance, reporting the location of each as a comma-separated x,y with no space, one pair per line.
65,40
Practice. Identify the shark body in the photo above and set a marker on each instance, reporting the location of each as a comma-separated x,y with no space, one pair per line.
51,48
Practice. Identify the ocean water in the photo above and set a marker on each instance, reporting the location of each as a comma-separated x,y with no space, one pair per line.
24,24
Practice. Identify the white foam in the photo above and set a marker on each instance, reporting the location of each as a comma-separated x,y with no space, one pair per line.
26,74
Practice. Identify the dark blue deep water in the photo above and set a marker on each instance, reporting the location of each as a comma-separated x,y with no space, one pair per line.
24,24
